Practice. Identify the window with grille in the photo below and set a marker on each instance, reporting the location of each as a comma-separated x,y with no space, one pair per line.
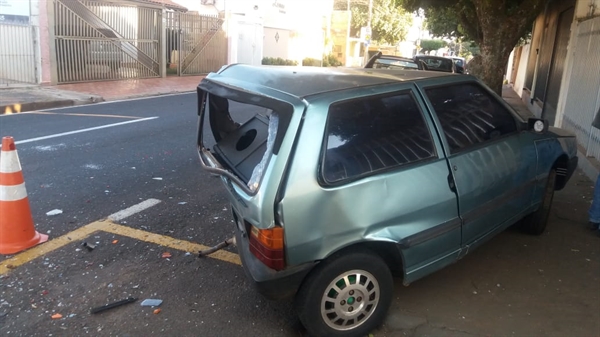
374,134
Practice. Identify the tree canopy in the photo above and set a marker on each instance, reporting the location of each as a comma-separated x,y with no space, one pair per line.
494,25
389,22
429,45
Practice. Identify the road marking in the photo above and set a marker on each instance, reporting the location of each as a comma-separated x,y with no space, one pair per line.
83,130
111,227
167,241
122,214
47,247
82,115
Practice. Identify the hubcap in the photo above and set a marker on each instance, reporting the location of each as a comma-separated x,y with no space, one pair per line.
349,300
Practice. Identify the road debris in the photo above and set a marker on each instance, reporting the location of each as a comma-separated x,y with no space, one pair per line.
112,305
166,255
156,311
217,247
115,242
54,212
157,178
151,302
88,246
57,316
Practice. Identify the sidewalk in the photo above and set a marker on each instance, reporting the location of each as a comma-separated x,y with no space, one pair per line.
21,98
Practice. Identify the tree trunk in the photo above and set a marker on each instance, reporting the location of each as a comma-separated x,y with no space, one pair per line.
500,30
490,66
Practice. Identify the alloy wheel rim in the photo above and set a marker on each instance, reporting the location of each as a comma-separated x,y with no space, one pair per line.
349,300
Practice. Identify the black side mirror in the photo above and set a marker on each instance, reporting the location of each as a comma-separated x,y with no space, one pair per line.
537,125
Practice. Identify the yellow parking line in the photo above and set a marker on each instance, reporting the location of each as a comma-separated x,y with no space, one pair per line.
167,241
110,227
47,247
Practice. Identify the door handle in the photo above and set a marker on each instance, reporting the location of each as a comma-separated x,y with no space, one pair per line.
451,183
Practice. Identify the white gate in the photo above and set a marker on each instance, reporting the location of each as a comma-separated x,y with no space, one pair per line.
249,44
17,45
583,97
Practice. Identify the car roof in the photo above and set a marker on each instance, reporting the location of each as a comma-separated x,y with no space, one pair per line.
431,57
307,81
396,58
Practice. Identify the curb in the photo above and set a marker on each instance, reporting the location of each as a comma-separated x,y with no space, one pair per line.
33,106
146,95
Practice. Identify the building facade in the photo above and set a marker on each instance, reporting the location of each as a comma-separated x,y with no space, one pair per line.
557,74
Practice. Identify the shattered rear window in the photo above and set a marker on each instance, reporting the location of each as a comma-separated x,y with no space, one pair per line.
240,136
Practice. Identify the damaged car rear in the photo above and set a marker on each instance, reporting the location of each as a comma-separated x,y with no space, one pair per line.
340,178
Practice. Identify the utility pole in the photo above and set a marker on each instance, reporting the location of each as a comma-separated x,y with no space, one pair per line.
369,32
370,14
347,54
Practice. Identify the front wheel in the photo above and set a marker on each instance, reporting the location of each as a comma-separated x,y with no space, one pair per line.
346,295
535,223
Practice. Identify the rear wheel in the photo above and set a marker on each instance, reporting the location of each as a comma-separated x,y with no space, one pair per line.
535,223
346,295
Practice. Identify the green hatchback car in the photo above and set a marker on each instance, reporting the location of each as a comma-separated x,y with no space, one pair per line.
340,178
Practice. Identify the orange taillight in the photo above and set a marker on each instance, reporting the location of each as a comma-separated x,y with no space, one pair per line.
271,238
267,246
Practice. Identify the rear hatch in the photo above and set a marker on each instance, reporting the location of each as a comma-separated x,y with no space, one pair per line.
246,134
241,131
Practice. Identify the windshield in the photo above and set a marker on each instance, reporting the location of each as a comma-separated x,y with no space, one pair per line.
383,63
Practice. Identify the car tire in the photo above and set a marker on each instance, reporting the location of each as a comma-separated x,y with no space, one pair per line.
331,302
535,223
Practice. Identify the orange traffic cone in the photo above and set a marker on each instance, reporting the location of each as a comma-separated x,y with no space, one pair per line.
16,223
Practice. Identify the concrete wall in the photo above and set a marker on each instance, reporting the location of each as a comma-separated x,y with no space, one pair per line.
521,70
277,43
587,8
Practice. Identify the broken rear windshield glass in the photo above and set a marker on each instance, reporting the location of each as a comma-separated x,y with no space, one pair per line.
240,136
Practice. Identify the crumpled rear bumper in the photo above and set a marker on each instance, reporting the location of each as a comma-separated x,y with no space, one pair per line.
272,284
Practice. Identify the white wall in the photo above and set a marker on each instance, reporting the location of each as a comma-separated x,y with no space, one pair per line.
276,43
511,60
584,8
522,70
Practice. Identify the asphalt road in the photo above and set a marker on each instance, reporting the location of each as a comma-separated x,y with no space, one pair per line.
144,149
94,173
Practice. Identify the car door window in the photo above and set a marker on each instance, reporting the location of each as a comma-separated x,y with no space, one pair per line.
469,115
372,134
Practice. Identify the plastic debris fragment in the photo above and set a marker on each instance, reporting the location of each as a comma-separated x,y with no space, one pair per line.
151,302
57,316
54,212
156,311
166,255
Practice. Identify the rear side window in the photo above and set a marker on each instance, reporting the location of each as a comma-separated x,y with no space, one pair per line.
469,115
374,134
